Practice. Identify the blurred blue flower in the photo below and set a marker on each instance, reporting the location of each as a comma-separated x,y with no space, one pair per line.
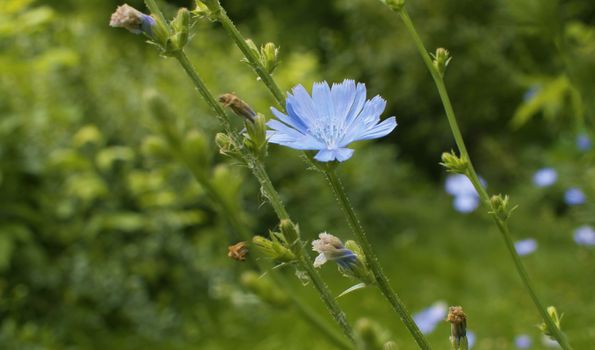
466,199
132,19
427,319
574,196
525,246
531,92
329,120
549,342
545,177
583,142
585,235
523,341
470,339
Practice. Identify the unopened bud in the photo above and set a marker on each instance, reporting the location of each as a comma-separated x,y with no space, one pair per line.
227,146
557,319
274,248
371,334
290,231
181,27
500,207
454,163
395,5
458,327
269,57
238,106
441,60
256,136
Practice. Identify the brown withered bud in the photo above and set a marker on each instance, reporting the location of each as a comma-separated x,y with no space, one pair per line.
458,326
238,251
238,106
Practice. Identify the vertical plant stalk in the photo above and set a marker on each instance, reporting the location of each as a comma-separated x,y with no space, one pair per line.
474,178
381,279
267,187
383,283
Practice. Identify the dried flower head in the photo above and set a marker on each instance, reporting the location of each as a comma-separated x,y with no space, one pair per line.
238,251
330,248
132,19
238,106
458,326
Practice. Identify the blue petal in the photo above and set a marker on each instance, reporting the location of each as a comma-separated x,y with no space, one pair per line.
302,104
323,101
343,98
291,119
379,130
357,105
328,155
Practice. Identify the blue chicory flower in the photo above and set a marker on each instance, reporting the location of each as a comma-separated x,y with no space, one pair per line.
428,318
574,196
329,120
585,235
583,142
466,198
525,246
133,20
545,177
470,339
523,341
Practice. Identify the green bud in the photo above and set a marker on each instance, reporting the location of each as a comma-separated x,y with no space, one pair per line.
274,248
202,11
359,269
395,5
371,334
87,135
441,60
264,288
227,146
290,231
557,319
454,163
181,26
500,207
390,345
252,47
269,57
256,136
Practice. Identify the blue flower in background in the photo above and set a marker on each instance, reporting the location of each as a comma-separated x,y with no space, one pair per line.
545,177
525,246
523,341
531,93
330,120
583,142
470,338
574,196
585,235
466,199
427,319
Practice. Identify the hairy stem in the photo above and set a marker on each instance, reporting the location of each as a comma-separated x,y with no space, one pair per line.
472,174
381,279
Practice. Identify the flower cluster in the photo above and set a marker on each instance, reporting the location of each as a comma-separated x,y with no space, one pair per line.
329,120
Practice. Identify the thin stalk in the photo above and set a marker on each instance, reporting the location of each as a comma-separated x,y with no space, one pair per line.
472,174
265,182
381,279
383,284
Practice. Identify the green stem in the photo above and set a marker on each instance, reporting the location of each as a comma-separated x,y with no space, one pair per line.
381,279
265,182
472,174
219,12
268,80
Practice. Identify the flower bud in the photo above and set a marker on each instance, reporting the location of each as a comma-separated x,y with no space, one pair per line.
290,231
256,136
264,288
181,26
499,205
155,147
349,257
553,314
227,146
133,20
395,5
269,57
458,327
274,248
454,163
441,60
371,334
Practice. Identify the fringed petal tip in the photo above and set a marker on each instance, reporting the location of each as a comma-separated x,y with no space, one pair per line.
339,154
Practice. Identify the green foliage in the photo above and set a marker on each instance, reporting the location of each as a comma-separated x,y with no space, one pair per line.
106,239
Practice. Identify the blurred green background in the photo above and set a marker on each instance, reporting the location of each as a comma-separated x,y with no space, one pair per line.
106,241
